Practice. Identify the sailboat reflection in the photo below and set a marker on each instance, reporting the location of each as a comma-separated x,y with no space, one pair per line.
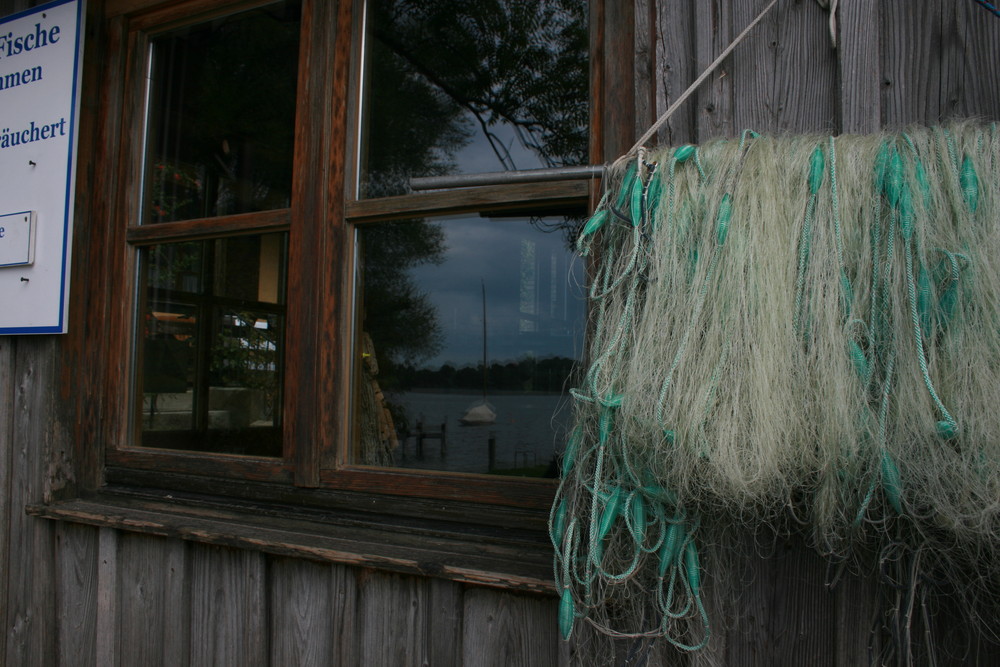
481,412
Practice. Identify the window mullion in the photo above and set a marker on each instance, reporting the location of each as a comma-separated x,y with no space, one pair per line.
313,392
277,220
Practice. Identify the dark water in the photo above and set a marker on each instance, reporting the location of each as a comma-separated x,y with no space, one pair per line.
529,429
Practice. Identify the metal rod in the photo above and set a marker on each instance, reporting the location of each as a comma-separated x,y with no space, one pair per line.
506,177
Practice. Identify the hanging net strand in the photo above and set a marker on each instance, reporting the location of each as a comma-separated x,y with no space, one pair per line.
784,327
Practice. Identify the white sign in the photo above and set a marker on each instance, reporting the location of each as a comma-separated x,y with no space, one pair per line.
40,57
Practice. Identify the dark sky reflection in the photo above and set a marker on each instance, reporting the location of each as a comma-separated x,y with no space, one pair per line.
534,295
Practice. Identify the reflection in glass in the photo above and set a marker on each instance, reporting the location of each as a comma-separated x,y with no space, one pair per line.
211,344
221,115
455,311
472,87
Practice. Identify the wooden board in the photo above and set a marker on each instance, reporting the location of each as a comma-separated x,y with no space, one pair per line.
392,625
228,606
6,477
153,602
301,600
34,426
505,630
76,607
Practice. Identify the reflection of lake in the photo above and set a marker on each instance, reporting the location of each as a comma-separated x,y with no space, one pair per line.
528,430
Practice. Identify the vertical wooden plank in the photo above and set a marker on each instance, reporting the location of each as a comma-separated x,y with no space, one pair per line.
76,594
750,621
644,81
177,604
807,86
802,618
806,81
938,59
392,620
31,635
301,603
444,611
619,109
753,66
855,603
152,603
785,615
505,630
675,68
139,595
565,653
981,64
344,615
107,597
785,70
227,607
714,31
858,72
598,99
913,50
954,29
6,480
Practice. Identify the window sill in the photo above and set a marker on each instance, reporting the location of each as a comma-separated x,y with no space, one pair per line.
517,559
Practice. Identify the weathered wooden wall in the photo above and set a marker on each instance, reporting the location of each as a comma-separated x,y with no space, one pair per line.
128,599
78,595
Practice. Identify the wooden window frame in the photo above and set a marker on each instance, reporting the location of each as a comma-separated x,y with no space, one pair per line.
314,475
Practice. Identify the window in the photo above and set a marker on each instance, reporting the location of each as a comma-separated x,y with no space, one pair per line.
219,129
467,325
312,306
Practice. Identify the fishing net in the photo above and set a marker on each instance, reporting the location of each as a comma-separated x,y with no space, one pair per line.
798,332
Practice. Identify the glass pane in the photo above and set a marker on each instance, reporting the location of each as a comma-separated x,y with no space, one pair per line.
437,299
211,345
470,87
221,116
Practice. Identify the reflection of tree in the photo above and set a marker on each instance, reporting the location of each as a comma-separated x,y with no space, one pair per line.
400,318
521,63
413,129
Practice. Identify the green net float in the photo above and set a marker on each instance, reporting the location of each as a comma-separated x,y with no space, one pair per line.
684,153
611,511
638,515
671,545
559,524
692,567
567,613
596,222
725,213
969,181
817,168
638,189
947,429
891,482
